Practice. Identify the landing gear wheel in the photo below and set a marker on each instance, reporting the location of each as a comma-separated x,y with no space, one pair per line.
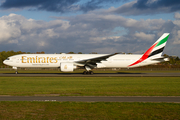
91,72
84,72
88,72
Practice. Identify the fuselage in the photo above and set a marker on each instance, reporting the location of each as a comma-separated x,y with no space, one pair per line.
55,60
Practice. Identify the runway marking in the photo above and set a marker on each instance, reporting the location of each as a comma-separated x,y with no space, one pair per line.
46,100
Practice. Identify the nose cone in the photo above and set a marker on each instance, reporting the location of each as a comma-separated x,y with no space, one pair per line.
5,62
8,62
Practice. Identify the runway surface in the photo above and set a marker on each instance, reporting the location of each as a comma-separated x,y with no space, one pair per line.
91,99
120,74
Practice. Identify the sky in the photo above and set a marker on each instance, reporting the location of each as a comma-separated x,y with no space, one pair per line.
102,26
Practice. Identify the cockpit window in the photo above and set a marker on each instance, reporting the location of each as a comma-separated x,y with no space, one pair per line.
8,59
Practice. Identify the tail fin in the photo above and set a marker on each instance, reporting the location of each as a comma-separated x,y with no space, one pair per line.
155,51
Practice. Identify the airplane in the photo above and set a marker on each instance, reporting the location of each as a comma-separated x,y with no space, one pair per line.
70,62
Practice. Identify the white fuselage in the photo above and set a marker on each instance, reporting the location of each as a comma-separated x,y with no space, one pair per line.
55,60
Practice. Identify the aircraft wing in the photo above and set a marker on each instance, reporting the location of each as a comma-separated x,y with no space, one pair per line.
91,62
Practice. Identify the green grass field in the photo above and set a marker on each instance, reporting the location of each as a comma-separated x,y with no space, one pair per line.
90,86
88,111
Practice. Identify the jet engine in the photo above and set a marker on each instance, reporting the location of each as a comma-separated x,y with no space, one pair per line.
67,67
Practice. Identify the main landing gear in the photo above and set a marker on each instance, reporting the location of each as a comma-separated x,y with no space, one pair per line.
88,72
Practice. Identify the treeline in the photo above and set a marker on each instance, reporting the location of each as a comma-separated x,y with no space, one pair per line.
174,61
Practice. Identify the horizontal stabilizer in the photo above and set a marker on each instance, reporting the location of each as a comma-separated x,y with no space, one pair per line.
161,59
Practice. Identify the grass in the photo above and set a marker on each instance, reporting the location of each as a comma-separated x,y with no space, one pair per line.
90,86
86,111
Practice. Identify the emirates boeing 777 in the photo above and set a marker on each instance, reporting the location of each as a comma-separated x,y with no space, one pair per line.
70,62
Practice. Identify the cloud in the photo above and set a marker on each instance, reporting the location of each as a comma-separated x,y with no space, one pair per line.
177,15
90,32
137,7
48,5
97,4
57,5
8,30
144,36
29,34
155,4
145,7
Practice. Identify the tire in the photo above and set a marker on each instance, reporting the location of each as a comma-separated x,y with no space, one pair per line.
91,72
84,72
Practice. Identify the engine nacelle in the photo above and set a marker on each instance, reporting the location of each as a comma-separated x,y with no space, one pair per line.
67,67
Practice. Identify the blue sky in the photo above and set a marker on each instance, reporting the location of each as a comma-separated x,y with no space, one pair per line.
87,26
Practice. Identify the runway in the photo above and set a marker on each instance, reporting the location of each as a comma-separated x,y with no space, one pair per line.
119,74
92,99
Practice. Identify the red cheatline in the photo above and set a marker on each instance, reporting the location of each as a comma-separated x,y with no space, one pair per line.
145,56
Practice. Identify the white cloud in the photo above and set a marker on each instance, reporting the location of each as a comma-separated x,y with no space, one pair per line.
114,38
90,32
177,15
144,36
177,22
177,38
8,29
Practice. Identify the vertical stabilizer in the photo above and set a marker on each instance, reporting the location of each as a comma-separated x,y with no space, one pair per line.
155,51
159,46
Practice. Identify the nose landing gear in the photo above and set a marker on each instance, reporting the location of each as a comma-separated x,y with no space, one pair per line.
15,68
